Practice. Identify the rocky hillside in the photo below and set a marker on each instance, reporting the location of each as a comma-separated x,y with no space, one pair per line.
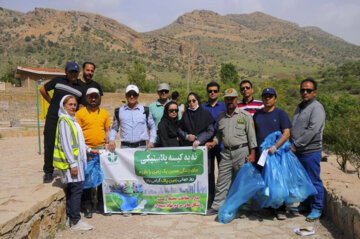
260,45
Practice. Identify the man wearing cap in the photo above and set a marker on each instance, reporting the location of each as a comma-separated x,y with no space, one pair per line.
248,102
268,120
235,129
62,85
157,107
95,124
306,138
133,120
88,70
215,107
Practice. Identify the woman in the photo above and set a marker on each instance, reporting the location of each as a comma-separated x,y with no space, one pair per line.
168,126
196,125
70,156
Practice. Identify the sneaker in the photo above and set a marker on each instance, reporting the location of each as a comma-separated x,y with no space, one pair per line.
127,214
48,178
88,213
300,209
280,215
81,226
211,212
315,214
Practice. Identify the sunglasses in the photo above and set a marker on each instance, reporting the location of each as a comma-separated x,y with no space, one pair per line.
212,91
164,91
307,90
267,96
134,94
245,87
173,110
193,101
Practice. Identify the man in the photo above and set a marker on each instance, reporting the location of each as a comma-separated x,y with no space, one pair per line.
157,107
68,85
175,96
133,121
235,129
95,124
248,102
215,107
268,120
306,138
88,70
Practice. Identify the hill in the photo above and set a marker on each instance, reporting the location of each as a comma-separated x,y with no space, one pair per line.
261,46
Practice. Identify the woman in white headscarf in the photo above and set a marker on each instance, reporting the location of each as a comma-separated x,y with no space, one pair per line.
70,156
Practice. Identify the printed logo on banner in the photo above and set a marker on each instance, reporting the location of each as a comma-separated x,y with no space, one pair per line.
112,157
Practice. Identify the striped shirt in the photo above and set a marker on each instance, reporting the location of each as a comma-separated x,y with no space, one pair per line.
65,141
252,106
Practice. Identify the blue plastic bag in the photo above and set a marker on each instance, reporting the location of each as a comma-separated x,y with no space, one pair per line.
285,178
93,173
247,183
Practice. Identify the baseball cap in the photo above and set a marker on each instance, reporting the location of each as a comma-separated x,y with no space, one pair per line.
231,92
270,91
163,86
72,66
92,90
132,87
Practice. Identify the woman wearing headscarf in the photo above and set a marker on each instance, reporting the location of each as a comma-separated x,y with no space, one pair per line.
70,156
168,127
196,125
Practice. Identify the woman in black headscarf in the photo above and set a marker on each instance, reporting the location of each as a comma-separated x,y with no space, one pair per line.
196,125
168,126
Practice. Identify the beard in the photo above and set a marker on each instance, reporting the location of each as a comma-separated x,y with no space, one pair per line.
88,77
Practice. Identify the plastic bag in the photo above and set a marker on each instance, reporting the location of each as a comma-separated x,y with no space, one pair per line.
247,183
285,178
93,173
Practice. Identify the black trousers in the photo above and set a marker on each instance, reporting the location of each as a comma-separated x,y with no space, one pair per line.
214,152
86,198
73,201
49,143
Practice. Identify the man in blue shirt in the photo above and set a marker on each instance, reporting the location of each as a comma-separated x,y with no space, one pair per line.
215,107
133,120
268,120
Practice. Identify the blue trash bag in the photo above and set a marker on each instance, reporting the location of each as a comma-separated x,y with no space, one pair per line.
299,183
276,191
93,173
247,183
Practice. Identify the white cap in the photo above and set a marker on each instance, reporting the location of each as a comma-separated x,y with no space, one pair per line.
92,90
132,87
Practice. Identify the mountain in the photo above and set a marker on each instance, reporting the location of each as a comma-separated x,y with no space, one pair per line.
259,45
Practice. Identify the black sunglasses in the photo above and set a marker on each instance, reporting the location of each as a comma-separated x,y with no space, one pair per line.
173,110
245,87
211,91
163,91
189,101
134,94
307,90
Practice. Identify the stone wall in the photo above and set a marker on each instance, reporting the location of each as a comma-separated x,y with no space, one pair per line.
39,222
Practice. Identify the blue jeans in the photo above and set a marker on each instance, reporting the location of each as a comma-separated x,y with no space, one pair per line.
311,163
73,201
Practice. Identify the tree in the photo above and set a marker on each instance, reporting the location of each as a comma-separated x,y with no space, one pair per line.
228,74
137,76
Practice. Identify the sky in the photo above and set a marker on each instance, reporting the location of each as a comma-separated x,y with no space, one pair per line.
338,17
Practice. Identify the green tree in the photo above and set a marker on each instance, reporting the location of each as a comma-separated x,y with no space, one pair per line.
137,76
228,74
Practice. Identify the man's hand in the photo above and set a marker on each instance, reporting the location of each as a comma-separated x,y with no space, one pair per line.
210,145
94,151
112,146
190,137
272,150
149,146
251,158
74,172
196,144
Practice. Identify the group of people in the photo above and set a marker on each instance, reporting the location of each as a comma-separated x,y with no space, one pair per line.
76,126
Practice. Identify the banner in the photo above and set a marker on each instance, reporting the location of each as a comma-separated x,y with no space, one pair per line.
161,181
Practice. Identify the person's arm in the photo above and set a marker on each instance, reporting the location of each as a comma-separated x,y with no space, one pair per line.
284,137
152,128
316,121
216,139
251,135
162,133
44,94
206,134
65,141
113,132
107,133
